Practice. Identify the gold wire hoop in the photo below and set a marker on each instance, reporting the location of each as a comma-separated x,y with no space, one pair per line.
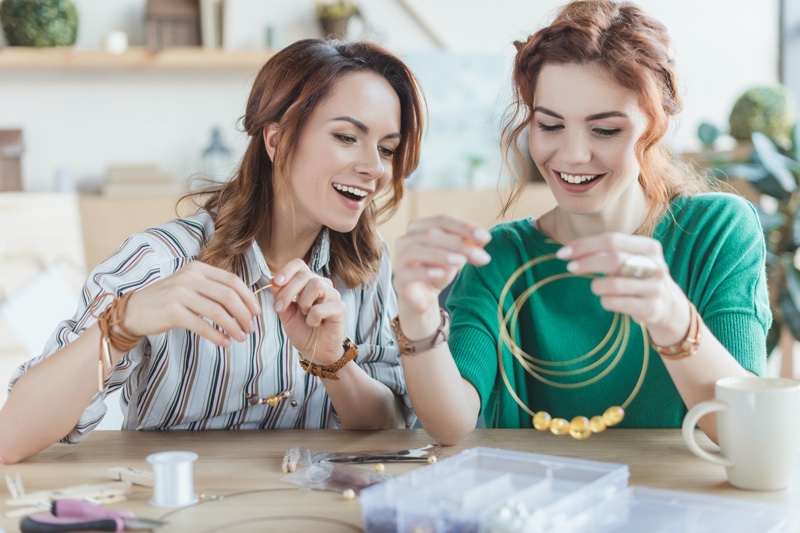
508,321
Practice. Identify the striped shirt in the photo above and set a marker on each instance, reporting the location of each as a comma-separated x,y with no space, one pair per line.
179,380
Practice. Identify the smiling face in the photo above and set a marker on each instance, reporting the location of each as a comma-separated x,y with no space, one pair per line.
583,133
343,158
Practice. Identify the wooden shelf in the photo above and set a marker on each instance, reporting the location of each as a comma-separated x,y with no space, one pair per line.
189,58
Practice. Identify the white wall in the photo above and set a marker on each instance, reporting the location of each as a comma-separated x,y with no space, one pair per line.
83,120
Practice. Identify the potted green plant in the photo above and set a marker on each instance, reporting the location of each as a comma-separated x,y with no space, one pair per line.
334,16
767,109
39,23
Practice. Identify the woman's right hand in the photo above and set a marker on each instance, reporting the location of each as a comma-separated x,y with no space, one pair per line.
430,254
190,298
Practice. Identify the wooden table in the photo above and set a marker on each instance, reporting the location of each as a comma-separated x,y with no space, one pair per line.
234,462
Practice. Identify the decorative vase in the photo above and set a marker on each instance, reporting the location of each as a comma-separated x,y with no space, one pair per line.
335,27
39,23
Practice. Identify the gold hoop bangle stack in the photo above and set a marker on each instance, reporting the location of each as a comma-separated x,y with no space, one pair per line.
580,427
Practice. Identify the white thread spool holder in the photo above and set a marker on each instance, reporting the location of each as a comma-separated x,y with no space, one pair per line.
173,479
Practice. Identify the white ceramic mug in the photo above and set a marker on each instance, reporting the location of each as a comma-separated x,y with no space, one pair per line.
758,429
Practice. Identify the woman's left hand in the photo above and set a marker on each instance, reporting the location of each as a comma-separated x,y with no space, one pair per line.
636,282
309,306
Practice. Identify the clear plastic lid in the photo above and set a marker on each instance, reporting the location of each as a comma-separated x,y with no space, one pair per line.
499,491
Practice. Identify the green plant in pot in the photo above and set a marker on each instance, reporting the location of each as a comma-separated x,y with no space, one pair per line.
39,23
766,109
334,16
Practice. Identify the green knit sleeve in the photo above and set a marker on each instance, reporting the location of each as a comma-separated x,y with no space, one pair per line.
473,305
727,278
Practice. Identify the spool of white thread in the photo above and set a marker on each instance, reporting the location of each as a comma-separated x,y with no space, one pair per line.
173,480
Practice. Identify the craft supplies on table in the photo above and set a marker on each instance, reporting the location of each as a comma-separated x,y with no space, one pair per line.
502,491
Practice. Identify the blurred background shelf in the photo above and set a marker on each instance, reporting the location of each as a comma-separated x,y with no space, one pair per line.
187,58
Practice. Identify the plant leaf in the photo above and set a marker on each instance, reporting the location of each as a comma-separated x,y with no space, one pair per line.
756,174
774,334
769,156
770,221
708,134
772,260
790,163
790,298
791,314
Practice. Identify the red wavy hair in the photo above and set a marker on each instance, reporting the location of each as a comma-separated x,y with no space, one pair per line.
286,91
634,51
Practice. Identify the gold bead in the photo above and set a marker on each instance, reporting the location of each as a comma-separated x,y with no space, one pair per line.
379,467
559,426
541,421
272,401
579,428
432,459
597,425
349,494
613,416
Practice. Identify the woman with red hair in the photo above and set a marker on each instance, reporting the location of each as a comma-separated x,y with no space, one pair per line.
541,329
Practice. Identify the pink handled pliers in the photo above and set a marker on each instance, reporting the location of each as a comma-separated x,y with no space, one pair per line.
81,515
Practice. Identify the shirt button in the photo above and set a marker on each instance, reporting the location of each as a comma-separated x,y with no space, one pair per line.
294,403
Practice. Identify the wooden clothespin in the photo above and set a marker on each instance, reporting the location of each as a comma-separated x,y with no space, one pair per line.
137,477
14,485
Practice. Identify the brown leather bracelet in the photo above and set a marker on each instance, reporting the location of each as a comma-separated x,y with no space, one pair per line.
690,342
113,334
329,371
409,347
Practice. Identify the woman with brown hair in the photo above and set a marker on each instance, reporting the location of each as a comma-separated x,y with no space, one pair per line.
271,306
543,334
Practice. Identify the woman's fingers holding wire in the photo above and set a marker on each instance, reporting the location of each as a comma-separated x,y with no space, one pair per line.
203,327
233,283
615,254
289,282
464,229
609,242
434,246
325,310
317,291
212,310
204,291
231,311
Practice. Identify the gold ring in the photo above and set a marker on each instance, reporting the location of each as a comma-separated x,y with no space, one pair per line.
637,266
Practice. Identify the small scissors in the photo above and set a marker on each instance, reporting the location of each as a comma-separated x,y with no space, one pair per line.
81,515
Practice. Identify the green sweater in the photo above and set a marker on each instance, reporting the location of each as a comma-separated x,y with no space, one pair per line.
714,246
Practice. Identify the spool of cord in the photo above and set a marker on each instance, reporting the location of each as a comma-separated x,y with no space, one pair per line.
173,479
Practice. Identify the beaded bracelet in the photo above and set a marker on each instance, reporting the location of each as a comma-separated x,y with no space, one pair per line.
112,332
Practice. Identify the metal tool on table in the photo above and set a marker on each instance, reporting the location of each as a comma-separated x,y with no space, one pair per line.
300,455
81,515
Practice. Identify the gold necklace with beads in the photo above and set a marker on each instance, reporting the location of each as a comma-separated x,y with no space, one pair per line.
580,427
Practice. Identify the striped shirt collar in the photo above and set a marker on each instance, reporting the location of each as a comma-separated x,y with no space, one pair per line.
256,269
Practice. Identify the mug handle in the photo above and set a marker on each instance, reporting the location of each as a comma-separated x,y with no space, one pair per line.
690,421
